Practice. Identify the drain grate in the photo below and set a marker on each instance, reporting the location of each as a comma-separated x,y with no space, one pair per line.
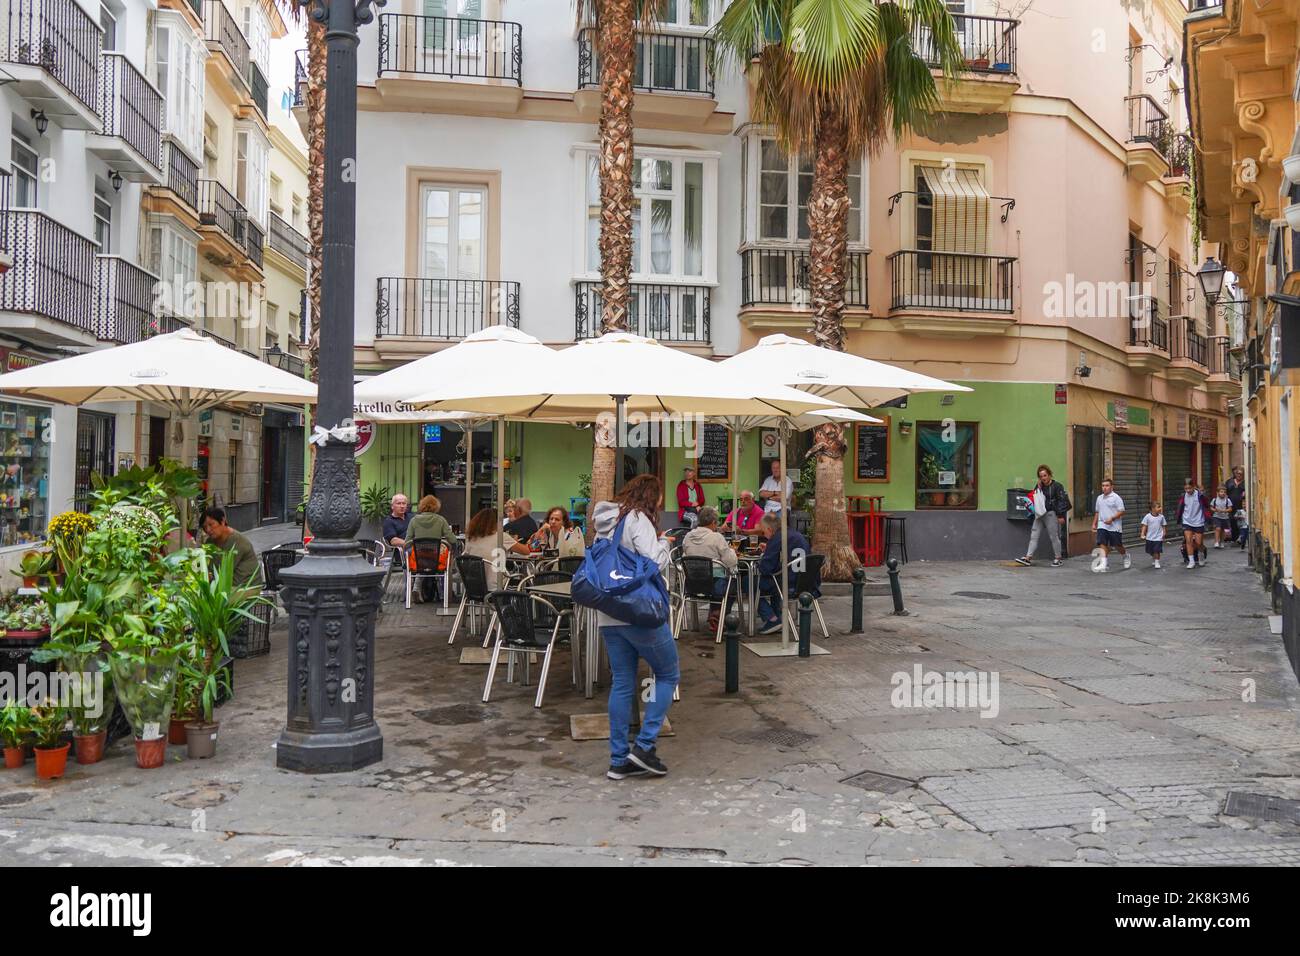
1262,807
456,714
879,782
983,595
775,738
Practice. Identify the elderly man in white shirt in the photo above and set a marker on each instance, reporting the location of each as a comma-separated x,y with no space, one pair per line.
776,489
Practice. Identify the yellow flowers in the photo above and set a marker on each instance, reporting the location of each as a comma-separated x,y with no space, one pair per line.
69,526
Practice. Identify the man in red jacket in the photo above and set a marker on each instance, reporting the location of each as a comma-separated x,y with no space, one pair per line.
690,495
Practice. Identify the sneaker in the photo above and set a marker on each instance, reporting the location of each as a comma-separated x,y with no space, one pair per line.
1128,562
1056,562
771,627
623,771
648,761
1191,563
1025,561
1156,564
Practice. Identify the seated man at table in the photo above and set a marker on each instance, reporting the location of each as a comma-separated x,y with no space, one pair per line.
769,569
746,516
394,526
524,525
705,542
248,570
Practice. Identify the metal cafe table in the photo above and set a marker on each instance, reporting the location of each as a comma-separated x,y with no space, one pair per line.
585,633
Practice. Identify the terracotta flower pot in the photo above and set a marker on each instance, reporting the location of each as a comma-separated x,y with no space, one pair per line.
14,758
149,754
51,761
202,739
176,730
90,747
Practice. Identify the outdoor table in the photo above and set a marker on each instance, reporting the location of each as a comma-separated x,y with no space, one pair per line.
584,620
751,584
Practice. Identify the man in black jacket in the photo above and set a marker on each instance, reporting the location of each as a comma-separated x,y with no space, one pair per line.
1049,505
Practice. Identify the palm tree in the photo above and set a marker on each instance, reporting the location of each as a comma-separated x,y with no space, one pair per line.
837,78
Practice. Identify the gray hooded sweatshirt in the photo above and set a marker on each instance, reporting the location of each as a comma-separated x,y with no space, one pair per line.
639,535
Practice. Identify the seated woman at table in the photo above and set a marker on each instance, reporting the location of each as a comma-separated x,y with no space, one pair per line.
557,533
428,524
481,541
746,516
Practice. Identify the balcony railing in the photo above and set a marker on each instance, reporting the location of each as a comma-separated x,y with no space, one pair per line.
451,47
124,297
667,312
1147,329
217,207
960,281
443,308
988,44
1218,355
53,274
1147,121
4,212
182,175
59,37
257,83
286,362
254,238
221,31
300,78
1178,154
289,242
1185,343
780,277
665,63
131,108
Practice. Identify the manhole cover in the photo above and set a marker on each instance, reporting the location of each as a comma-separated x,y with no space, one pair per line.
16,799
879,782
1262,807
456,714
983,595
776,738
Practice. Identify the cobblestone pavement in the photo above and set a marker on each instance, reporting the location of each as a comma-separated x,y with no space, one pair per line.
1128,706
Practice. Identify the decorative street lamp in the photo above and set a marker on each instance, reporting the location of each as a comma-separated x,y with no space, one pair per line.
1210,275
333,593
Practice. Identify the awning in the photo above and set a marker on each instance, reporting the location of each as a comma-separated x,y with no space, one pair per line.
961,206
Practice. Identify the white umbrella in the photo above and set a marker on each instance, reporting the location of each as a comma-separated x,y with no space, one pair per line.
184,370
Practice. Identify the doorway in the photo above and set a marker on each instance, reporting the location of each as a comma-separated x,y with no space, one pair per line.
95,434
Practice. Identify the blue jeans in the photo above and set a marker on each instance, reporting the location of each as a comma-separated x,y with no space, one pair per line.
769,602
626,646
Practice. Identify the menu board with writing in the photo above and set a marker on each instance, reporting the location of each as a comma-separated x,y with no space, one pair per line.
872,451
714,462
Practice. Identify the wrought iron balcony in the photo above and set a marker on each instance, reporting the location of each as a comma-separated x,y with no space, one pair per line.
53,274
289,242
665,63
780,277
60,39
254,238
957,281
217,207
285,361
224,36
1147,121
1147,328
257,83
988,44
124,299
663,311
132,111
451,47
226,342
6,254
1178,154
1185,343
182,175
443,308
1219,358
300,78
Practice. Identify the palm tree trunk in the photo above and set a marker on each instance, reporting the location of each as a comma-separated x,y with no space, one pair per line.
828,228
317,55
616,48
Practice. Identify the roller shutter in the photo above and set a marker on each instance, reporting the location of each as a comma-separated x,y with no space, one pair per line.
1175,467
1132,476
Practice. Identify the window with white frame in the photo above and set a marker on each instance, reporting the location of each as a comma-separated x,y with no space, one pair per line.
25,164
683,13
296,221
781,185
674,216
257,31
103,212
174,259
180,57
252,172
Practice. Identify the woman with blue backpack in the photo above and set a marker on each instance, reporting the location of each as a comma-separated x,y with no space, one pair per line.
622,578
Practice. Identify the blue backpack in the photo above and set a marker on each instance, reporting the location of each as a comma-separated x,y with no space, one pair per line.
621,583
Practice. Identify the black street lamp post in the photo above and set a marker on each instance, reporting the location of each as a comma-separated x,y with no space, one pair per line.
333,593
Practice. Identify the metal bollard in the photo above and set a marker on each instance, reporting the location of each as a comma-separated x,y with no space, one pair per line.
859,583
895,588
731,634
805,624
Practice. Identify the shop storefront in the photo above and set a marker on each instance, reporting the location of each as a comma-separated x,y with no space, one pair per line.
25,455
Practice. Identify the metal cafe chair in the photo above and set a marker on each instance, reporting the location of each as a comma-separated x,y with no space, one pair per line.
696,583
809,579
426,554
276,559
561,605
473,573
522,633
569,565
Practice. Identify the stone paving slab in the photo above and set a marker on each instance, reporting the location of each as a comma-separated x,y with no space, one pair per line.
1154,771
1147,689
1253,730
1073,740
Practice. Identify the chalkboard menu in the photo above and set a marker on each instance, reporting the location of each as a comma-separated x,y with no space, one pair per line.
714,462
872,459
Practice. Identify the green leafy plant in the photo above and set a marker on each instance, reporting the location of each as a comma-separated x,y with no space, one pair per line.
584,485
26,616
376,502
930,472
47,724
35,564
15,720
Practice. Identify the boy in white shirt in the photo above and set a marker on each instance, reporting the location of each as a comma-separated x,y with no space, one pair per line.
1221,507
1153,532
1108,522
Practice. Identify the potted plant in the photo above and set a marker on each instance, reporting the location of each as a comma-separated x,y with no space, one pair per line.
930,480
34,566
83,656
25,620
48,722
14,721
214,607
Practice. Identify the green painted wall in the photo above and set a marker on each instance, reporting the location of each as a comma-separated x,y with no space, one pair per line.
553,458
